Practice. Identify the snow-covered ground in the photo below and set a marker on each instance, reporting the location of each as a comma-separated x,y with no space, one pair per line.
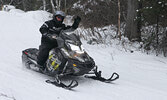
142,77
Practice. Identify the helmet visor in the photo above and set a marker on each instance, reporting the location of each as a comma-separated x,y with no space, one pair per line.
59,18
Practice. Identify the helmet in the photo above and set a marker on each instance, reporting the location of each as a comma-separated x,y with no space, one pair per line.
61,13
58,17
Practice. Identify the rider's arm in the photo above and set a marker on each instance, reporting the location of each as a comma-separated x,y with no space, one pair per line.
74,26
44,28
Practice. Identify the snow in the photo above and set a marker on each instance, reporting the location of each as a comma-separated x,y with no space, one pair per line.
159,2
7,7
142,76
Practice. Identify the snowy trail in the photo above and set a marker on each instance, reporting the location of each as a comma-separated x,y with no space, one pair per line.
142,77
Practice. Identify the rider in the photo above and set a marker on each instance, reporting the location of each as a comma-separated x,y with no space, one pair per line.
47,30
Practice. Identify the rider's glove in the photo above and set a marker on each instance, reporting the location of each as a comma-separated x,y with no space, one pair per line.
50,36
77,20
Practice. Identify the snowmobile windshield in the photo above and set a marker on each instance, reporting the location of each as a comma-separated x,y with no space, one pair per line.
73,46
71,38
73,43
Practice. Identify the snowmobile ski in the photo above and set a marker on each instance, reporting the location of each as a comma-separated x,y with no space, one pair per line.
72,84
59,83
102,79
98,76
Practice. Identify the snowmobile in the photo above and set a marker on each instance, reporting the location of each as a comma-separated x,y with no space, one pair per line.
69,58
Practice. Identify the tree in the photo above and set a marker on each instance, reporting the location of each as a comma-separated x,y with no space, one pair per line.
119,18
154,14
65,6
58,4
53,6
44,5
131,23
139,17
1,4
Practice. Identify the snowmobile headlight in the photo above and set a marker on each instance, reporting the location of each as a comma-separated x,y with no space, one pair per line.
77,49
78,56
75,53
72,54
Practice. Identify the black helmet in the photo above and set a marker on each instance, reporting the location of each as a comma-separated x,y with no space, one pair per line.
59,16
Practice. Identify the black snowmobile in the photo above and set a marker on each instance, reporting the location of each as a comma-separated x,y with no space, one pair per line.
69,58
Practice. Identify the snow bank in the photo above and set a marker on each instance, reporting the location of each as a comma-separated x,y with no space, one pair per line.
7,7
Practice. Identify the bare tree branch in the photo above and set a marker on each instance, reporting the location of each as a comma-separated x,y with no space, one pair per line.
11,1
53,6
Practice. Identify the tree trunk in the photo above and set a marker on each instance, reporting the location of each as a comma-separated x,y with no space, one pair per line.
53,6
157,34
58,4
24,5
1,4
44,5
11,1
131,24
139,18
65,6
119,15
